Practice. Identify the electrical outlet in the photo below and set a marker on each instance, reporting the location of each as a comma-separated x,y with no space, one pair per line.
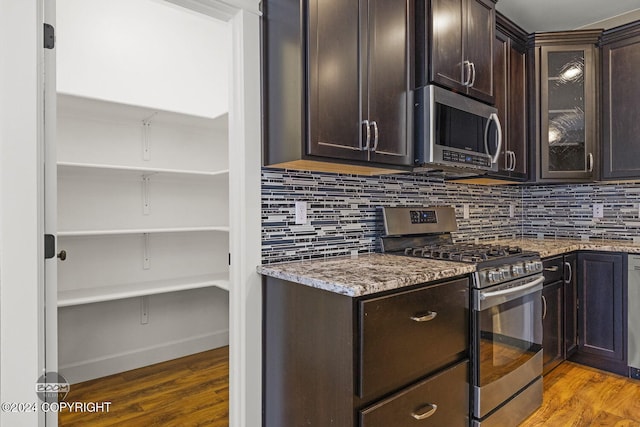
598,210
465,211
512,211
301,213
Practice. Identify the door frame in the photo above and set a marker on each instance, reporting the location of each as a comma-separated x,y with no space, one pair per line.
23,132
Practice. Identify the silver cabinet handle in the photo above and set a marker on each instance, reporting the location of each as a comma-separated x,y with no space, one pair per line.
493,118
473,74
376,135
554,268
428,410
467,66
511,160
365,123
544,307
590,162
568,279
430,315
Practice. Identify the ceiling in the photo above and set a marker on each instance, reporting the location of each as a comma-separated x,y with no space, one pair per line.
557,15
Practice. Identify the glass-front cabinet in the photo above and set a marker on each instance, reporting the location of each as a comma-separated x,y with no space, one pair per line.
567,119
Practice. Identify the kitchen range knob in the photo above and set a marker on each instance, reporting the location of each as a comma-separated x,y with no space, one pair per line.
505,272
517,270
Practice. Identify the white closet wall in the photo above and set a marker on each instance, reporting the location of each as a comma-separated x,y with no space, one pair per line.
148,53
143,185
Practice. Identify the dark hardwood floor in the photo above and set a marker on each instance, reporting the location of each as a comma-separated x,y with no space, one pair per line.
194,391
190,391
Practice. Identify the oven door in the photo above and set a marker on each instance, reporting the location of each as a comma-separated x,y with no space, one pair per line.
507,343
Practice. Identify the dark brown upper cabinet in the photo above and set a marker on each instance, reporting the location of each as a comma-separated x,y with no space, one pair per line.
564,98
360,80
338,83
461,34
510,89
620,95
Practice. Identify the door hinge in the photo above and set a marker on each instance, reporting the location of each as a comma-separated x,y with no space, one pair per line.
49,36
49,246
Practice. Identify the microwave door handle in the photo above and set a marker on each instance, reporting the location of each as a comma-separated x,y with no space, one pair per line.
493,118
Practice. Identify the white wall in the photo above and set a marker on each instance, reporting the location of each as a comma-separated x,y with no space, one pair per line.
143,52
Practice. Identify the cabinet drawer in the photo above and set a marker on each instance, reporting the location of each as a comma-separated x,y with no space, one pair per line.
408,335
448,390
553,269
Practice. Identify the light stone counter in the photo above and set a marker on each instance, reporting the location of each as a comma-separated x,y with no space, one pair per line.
550,247
365,274
371,273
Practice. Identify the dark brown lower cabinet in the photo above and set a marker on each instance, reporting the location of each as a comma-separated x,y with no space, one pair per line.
387,359
552,327
570,304
441,400
602,311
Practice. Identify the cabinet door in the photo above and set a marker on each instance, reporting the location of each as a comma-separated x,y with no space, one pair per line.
601,311
621,91
389,102
478,47
517,141
552,328
334,127
446,44
570,305
509,77
568,117
501,95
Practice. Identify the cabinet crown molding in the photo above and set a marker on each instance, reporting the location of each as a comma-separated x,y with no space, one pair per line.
552,38
615,34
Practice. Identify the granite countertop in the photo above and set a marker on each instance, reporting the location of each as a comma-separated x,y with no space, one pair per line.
365,274
370,273
549,248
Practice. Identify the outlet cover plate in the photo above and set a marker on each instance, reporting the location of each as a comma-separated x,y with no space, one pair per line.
598,210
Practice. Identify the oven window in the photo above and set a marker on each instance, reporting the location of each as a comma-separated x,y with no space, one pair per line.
509,335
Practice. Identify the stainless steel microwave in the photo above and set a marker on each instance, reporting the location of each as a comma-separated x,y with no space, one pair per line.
454,132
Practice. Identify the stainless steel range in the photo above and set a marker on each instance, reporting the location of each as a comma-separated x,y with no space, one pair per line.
506,310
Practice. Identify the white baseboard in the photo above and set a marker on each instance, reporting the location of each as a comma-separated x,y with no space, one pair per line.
112,364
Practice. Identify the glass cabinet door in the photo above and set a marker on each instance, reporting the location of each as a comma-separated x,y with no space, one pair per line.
568,112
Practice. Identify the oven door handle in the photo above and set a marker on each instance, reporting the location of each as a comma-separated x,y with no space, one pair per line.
504,295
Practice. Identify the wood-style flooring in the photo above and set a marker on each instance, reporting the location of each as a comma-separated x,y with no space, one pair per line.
194,391
576,395
190,391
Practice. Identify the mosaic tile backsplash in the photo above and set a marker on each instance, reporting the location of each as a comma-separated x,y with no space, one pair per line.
344,216
566,211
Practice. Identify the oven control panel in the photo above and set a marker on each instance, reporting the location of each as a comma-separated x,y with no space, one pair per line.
423,217
503,273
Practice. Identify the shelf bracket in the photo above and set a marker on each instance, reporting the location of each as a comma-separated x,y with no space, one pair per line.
146,263
146,137
146,181
144,310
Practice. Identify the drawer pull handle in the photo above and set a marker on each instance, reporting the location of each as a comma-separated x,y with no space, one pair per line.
554,268
430,315
431,409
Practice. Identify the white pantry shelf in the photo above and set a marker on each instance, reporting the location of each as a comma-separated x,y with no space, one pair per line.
78,233
73,297
93,168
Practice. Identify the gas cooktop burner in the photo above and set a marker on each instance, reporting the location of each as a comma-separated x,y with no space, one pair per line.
462,252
